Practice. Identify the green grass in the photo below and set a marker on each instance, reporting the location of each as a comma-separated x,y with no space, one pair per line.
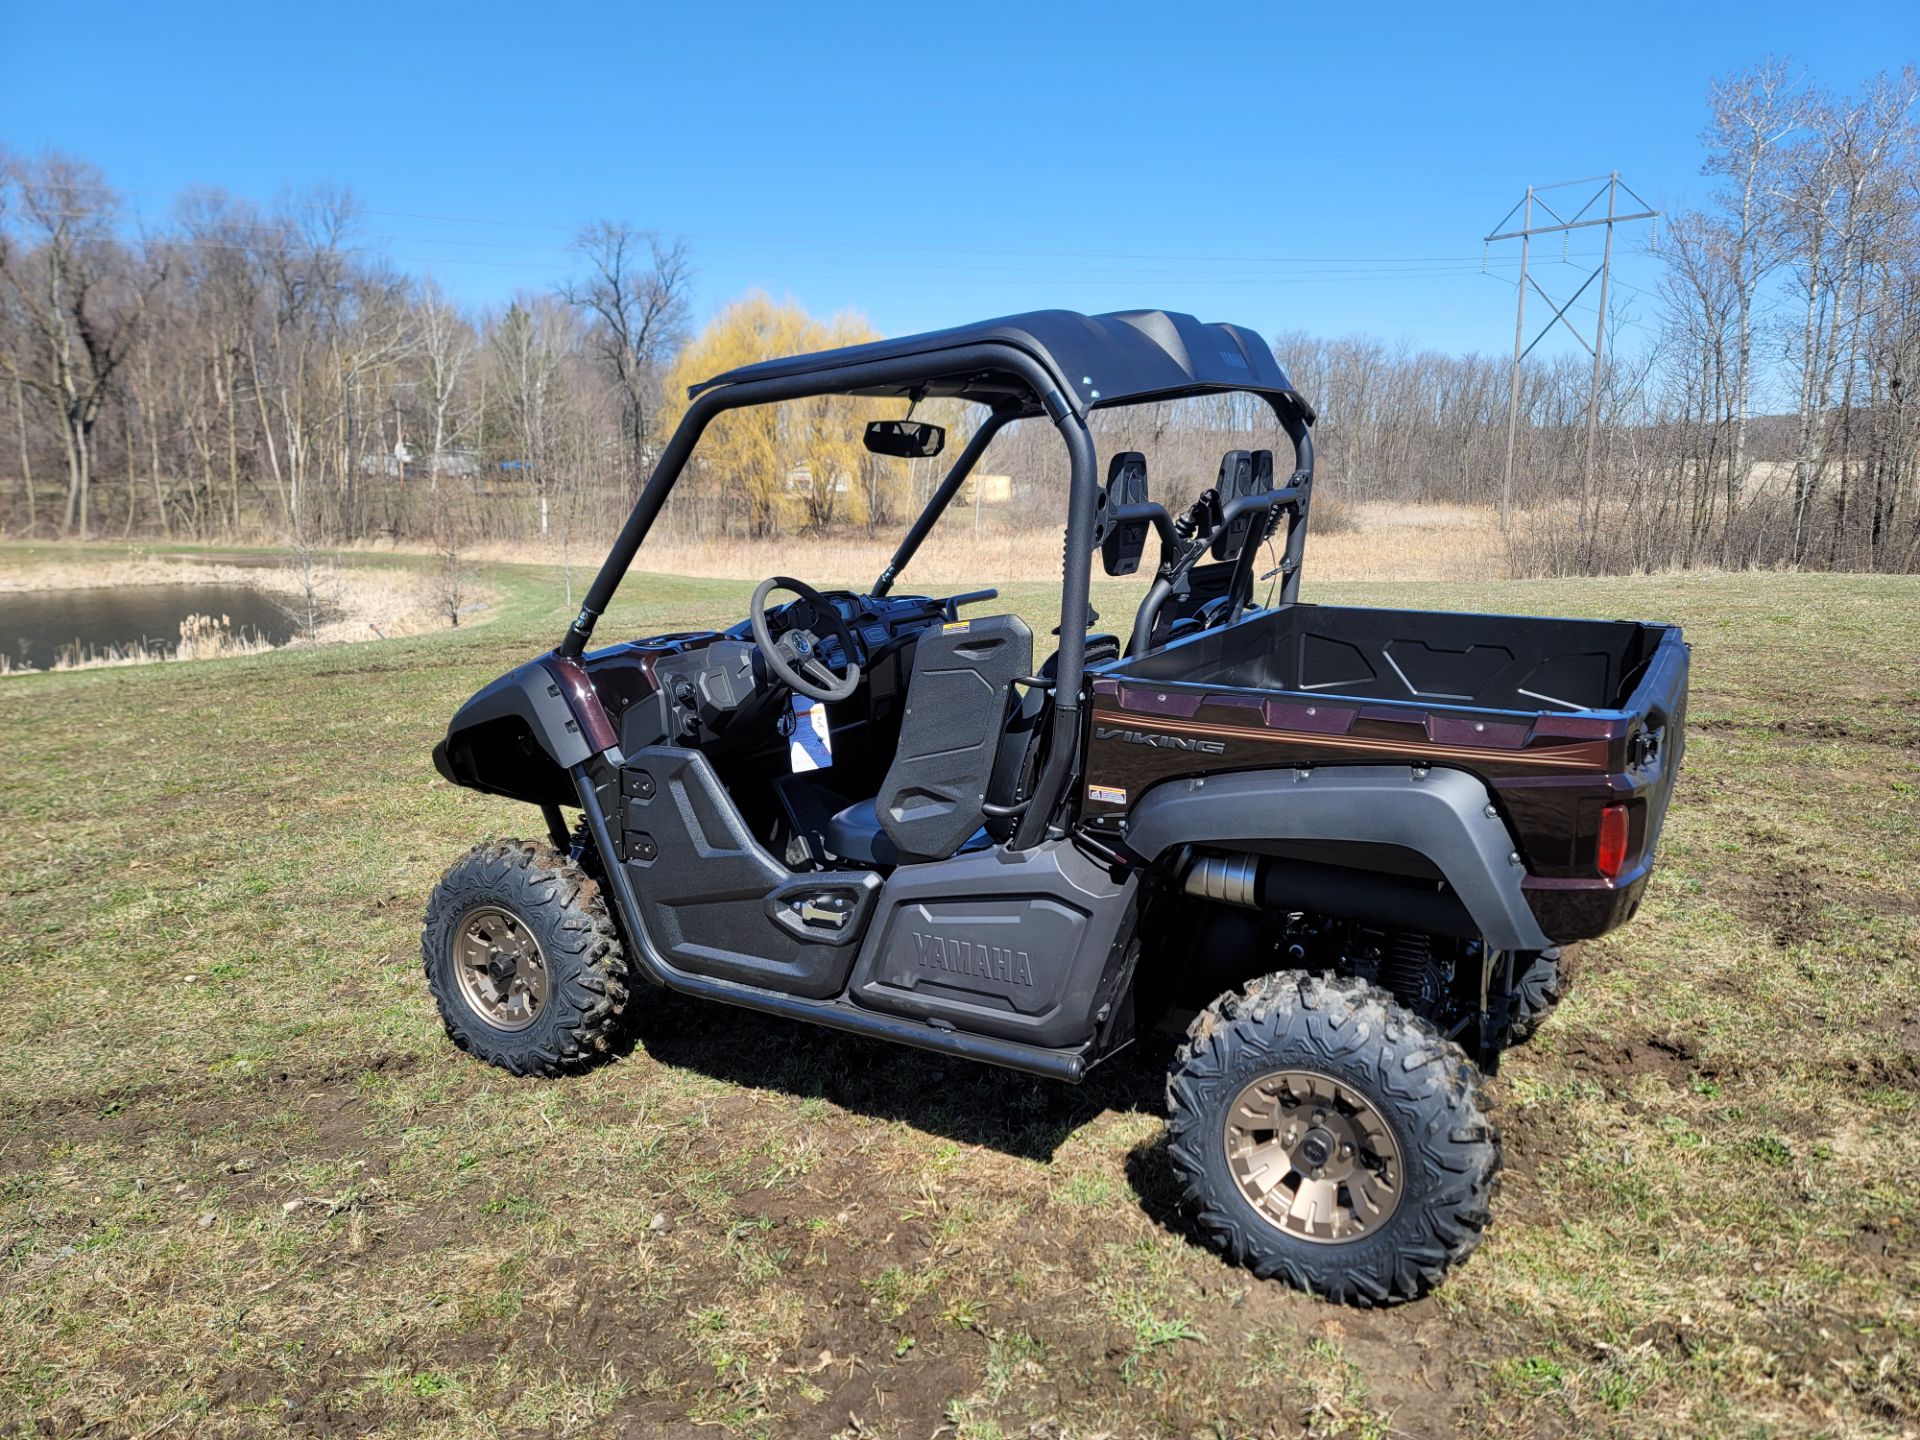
246,1186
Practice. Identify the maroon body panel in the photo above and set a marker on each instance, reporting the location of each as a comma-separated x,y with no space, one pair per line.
602,686
595,727
1546,775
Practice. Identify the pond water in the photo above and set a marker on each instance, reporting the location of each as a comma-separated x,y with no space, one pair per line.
36,626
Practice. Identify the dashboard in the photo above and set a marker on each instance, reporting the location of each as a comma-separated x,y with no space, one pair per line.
874,620
711,688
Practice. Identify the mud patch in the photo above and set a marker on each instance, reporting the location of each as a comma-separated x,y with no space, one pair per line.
1784,893
1530,1146
1867,729
1899,1069
1614,1063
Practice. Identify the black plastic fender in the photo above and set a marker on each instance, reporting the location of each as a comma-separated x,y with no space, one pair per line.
1445,815
516,737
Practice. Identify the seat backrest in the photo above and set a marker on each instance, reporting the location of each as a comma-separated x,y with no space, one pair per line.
1242,472
956,711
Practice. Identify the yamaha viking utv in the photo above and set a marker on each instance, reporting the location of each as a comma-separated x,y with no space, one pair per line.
1344,843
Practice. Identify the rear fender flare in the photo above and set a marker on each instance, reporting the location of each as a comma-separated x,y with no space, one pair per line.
1445,815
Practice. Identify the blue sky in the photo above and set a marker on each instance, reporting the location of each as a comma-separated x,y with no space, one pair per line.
1325,168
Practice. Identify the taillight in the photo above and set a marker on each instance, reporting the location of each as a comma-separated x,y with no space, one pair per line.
1612,853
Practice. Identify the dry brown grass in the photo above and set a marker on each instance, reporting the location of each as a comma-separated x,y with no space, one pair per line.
1372,541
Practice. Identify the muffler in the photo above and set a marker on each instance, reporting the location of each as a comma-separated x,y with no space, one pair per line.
1269,882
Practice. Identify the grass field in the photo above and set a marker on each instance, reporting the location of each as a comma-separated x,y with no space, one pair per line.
247,1188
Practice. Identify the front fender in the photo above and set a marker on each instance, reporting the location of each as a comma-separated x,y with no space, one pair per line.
1444,815
517,737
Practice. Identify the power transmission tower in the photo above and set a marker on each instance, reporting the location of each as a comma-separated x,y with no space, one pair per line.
1610,187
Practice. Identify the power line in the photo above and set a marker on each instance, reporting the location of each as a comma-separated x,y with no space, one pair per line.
1348,267
918,274
1411,263
782,240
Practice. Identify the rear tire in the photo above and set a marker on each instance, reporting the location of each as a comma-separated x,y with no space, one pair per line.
523,959
1536,990
1330,1138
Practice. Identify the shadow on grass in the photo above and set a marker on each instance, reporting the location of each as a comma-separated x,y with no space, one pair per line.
960,1100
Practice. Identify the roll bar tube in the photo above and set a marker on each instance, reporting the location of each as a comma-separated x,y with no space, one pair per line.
1300,430
1004,359
1154,513
646,509
943,495
1297,495
1063,735
1083,488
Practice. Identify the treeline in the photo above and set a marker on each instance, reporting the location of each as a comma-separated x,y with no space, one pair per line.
1774,421
240,372
250,373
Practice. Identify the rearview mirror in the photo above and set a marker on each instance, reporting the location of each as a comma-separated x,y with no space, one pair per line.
908,439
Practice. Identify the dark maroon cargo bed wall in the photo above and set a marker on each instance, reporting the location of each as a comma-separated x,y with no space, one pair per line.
1549,771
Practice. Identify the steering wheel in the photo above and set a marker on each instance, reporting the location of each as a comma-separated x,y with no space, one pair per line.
795,656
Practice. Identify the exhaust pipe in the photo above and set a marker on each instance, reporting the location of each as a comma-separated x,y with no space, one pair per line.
1229,879
1267,882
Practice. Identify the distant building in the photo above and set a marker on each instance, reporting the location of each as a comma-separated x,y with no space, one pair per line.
800,481
402,464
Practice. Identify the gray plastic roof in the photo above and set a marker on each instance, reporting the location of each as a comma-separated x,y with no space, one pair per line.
1097,360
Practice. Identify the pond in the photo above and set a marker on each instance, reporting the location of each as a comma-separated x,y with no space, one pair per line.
35,627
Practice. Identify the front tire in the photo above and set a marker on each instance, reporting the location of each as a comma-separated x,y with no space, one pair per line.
1328,1137
523,960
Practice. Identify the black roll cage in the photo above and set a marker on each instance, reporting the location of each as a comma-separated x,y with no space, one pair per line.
967,364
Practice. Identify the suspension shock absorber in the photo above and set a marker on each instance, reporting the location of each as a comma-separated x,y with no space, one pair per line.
1407,969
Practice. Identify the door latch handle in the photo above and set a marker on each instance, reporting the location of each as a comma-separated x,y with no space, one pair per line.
816,912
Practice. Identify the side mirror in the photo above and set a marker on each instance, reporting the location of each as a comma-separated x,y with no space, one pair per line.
1121,546
906,439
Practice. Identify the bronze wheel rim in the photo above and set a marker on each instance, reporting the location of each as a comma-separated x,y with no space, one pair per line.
503,975
1313,1157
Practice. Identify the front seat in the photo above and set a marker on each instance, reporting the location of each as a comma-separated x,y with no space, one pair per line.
929,803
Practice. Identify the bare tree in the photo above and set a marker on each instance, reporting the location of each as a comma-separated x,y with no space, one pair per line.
452,576
317,589
636,296
446,345
1753,117
79,293
1852,195
527,349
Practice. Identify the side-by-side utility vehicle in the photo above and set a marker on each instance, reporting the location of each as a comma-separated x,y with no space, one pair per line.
1343,844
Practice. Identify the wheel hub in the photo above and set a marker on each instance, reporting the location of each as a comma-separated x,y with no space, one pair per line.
503,974
1313,1157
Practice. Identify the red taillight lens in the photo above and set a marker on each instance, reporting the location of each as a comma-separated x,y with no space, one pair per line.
1612,853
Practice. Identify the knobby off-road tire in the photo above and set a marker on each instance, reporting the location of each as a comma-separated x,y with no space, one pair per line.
1400,1101
552,1000
1536,990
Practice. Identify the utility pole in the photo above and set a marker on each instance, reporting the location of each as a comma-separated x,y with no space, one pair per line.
1610,186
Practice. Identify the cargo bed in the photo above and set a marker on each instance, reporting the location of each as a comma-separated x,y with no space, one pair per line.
1498,662
1558,717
